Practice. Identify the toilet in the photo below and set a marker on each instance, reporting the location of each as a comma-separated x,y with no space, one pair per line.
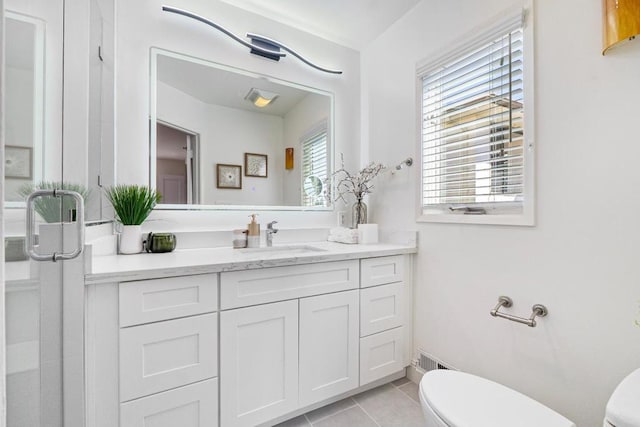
623,409
457,399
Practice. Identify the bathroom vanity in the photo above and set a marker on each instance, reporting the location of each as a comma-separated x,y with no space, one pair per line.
229,337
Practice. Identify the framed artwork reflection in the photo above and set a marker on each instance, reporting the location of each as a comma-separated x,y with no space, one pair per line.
229,176
18,162
255,165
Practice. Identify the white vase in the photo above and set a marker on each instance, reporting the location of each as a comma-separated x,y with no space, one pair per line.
130,239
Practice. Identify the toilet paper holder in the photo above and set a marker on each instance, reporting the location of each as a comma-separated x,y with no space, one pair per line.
538,310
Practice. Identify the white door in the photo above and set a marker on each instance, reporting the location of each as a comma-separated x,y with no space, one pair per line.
173,189
329,341
258,363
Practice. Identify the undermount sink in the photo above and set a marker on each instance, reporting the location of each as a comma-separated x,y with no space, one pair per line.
283,249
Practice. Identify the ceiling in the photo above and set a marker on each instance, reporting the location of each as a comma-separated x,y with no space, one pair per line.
217,86
351,23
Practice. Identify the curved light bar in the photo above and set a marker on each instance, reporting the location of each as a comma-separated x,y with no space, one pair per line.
260,45
270,42
222,30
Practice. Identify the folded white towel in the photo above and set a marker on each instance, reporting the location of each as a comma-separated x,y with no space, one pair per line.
343,235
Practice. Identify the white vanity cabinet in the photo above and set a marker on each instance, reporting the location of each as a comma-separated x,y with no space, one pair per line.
244,347
383,316
278,357
164,335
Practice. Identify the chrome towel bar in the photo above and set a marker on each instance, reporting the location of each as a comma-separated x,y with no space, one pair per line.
538,310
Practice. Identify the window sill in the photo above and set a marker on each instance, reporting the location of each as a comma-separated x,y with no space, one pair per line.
491,219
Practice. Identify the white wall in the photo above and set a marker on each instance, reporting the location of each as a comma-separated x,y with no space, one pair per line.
232,137
581,259
309,113
142,24
225,135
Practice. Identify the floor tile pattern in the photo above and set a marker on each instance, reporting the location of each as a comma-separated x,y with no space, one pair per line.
392,405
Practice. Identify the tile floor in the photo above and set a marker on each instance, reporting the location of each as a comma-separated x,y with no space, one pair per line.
392,405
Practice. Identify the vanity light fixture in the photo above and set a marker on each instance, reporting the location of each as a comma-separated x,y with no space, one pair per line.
260,98
620,20
259,45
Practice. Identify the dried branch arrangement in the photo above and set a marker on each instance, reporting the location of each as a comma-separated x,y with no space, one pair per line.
358,184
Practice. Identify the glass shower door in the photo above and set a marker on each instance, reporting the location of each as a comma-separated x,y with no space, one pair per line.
43,303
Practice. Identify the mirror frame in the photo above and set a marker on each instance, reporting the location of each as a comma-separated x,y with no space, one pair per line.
154,52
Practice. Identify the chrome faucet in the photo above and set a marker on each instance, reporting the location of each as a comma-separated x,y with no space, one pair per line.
270,232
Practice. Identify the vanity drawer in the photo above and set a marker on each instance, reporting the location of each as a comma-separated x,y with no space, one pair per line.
165,355
251,287
381,355
381,308
195,405
382,270
149,301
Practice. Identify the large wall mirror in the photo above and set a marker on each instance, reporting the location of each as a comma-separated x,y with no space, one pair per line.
225,138
25,105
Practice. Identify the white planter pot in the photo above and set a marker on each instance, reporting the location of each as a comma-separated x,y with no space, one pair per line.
130,239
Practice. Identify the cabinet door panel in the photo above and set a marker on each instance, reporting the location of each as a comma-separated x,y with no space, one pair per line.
162,299
328,346
381,308
381,270
251,287
381,355
195,405
169,354
258,363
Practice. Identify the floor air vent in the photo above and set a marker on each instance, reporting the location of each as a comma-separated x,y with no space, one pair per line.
427,362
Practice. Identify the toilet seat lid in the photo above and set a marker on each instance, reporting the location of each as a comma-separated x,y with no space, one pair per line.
465,400
622,409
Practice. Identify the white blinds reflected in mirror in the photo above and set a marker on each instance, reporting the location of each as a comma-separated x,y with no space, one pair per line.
205,114
315,157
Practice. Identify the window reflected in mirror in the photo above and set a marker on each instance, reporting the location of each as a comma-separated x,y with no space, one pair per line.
315,167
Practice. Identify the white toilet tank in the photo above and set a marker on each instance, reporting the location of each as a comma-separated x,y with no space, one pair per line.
623,409
457,399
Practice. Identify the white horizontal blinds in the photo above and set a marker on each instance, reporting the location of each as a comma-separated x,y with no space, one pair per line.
472,132
314,163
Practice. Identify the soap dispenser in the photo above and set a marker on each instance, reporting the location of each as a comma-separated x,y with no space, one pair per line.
253,233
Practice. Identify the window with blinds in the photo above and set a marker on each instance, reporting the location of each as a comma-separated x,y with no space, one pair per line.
473,119
314,168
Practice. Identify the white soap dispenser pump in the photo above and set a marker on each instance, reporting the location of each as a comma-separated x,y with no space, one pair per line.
253,232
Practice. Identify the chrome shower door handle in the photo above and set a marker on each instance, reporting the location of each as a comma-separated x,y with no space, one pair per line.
31,225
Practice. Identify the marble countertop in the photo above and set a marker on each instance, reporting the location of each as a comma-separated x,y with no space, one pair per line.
119,268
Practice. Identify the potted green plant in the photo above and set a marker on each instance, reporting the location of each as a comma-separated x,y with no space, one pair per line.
54,209
132,205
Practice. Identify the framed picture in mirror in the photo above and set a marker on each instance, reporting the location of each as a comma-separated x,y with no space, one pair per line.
229,176
255,165
18,162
